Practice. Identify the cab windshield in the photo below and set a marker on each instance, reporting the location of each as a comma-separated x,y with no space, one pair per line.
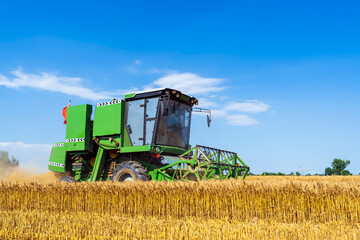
174,129
145,123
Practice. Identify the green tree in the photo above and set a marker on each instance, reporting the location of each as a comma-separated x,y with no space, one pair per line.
7,165
14,162
329,171
346,173
5,160
338,167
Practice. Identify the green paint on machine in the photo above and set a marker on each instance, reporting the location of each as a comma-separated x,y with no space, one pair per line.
78,128
57,157
107,119
143,137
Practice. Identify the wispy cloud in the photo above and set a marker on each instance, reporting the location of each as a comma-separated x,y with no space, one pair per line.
241,120
189,83
54,83
206,103
250,106
23,145
219,113
208,89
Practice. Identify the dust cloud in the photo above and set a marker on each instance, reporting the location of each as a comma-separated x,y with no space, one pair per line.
22,175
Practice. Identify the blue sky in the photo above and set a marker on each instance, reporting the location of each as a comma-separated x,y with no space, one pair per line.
282,78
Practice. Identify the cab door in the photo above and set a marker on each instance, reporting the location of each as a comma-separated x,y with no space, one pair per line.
150,119
135,121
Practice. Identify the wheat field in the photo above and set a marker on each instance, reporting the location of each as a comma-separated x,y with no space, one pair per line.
258,208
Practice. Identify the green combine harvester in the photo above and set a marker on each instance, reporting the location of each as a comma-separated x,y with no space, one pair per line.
143,137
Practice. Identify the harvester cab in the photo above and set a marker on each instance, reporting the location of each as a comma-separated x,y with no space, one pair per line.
145,136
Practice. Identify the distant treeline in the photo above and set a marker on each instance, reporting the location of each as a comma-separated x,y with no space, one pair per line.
277,174
7,164
5,161
337,168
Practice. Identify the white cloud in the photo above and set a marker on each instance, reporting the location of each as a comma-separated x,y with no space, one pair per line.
22,145
241,120
205,103
189,83
234,119
31,156
53,83
251,106
218,113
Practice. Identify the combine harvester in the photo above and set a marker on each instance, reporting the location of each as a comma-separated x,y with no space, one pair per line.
143,137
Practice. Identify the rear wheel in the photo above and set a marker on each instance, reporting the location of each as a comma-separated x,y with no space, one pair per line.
130,171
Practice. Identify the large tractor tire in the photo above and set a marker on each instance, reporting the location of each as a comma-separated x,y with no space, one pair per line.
67,179
130,171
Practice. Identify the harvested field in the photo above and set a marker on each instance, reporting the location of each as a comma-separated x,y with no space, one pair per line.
257,208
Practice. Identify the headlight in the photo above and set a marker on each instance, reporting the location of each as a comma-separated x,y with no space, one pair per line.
158,149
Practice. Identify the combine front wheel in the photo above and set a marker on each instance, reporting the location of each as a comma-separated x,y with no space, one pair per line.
130,171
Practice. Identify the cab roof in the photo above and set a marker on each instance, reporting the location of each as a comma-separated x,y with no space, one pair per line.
173,93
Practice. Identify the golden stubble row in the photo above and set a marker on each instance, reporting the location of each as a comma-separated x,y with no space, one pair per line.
81,225
292,201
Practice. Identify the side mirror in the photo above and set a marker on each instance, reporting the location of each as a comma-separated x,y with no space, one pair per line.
208,117
208,120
